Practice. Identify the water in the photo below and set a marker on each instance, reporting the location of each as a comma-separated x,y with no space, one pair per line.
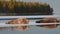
31,30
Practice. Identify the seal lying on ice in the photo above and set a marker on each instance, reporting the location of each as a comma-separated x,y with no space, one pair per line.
48,20
19,21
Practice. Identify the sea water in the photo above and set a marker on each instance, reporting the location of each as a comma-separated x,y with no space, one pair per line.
32,30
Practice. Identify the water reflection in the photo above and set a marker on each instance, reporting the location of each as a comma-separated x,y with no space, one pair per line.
22,28
12,28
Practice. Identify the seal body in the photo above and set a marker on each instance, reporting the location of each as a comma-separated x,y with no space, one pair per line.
19,21
48,20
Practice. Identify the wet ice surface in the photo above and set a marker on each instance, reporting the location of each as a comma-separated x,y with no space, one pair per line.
31,30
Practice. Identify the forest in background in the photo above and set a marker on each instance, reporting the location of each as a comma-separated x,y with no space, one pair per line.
22,7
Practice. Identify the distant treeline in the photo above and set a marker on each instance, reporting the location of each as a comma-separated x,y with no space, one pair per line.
24,7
